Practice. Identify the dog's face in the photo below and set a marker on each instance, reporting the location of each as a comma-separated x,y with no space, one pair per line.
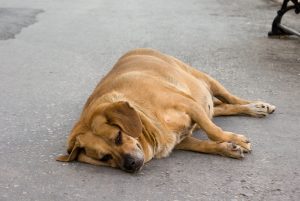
110,139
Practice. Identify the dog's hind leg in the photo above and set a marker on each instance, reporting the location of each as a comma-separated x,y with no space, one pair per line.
222,96
228,149
227,104
216,88
255,109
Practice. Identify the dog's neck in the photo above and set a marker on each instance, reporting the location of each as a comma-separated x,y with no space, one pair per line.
157,142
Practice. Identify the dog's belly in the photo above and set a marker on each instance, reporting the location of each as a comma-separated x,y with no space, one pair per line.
179,123
176,120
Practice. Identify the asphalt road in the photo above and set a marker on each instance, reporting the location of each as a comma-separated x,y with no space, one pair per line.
53,53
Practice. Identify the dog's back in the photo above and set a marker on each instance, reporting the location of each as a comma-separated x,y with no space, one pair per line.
157,78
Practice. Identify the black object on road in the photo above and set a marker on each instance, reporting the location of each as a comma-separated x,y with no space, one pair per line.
279,29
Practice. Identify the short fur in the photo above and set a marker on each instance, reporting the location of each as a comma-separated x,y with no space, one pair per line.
153,102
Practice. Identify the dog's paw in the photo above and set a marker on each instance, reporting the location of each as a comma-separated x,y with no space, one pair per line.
240,140
231,150
260,109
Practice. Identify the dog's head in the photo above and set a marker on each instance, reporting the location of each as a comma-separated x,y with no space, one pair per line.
108,137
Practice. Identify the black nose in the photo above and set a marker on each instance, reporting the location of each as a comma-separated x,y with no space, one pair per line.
131,164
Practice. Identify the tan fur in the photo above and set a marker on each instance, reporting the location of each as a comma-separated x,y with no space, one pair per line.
156,101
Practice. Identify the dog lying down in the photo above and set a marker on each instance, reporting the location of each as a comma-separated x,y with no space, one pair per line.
149,104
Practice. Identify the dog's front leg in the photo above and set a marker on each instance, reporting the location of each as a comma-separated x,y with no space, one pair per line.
214,132
228,149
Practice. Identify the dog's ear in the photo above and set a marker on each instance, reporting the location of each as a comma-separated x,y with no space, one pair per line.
73,143
124,116
77,130
72,154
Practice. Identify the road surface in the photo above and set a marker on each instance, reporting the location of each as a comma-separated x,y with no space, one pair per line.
53,53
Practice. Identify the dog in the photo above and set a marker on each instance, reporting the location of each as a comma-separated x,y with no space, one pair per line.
149,104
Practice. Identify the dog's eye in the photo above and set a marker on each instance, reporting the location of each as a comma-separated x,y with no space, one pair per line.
118,139
106,158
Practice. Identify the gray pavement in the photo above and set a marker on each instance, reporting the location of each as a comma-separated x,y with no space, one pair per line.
48,69
12,20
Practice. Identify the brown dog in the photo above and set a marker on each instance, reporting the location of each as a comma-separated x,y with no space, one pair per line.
149,104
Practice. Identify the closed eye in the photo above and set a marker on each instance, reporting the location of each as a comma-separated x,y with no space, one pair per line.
106,158
118,139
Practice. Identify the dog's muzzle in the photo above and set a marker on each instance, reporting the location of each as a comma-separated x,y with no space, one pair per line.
132,163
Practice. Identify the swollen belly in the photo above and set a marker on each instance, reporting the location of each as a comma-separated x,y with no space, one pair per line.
179,123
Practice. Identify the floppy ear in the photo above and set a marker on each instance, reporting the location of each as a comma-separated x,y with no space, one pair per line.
77,130
125,117
73,155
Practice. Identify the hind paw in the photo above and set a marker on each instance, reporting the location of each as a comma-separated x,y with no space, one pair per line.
260,109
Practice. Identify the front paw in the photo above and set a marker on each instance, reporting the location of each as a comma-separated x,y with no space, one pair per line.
231,150
240,140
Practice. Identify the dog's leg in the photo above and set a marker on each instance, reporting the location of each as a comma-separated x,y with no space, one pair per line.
222,95
215,133
228,149
230,104
217,89
217,102
255,109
